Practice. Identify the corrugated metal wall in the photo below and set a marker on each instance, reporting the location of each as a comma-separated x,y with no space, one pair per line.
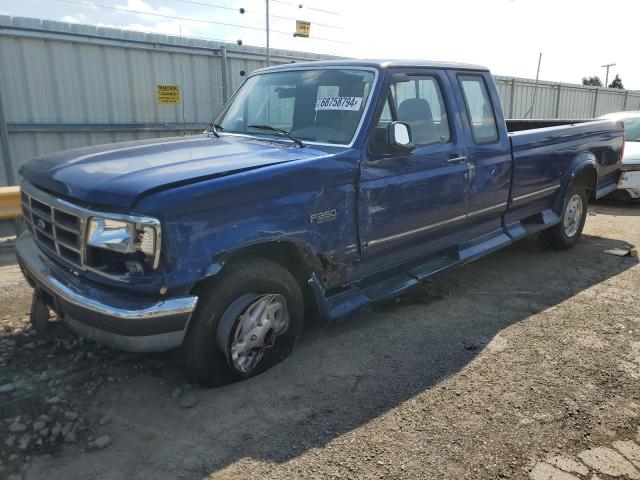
521,97
66,85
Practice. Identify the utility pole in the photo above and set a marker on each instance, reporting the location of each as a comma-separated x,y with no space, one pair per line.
607,66
535,89
268,57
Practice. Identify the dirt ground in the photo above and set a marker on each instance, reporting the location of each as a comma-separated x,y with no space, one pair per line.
524,364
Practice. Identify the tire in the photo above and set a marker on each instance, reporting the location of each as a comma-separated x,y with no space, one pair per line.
223,311
565,234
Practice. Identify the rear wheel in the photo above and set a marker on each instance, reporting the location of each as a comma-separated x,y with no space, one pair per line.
565,234
246,321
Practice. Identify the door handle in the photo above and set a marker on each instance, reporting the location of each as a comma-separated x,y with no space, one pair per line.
455,160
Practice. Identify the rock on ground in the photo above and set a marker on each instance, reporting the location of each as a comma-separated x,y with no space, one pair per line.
100,442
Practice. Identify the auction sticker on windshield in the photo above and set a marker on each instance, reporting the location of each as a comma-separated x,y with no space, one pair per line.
339,103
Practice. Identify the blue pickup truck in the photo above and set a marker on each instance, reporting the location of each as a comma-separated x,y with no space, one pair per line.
318,189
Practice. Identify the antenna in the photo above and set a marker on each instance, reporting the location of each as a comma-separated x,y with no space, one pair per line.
268,53
184,121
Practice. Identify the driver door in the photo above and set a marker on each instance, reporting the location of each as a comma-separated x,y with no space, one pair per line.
413,202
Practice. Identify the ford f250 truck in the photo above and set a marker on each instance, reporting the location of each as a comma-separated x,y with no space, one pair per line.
318,189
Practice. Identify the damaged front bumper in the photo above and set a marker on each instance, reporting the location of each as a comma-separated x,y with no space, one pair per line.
106,316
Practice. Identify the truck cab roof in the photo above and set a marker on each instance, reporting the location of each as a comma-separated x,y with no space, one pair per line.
380,64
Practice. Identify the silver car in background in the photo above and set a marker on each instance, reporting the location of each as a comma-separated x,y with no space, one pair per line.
629,184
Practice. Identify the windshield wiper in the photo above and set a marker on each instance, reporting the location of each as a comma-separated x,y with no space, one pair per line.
291,136
212,127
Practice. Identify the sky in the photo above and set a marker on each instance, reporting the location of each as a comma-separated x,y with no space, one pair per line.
575,37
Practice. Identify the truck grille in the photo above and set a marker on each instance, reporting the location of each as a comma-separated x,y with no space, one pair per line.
58,231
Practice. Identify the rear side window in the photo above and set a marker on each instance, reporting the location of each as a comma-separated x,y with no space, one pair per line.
479,109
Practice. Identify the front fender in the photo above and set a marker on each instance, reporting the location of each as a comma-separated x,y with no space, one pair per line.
202,246
220,258
310,203
200,233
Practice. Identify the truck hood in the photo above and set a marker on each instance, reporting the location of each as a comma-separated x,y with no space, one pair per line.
118,174
631,153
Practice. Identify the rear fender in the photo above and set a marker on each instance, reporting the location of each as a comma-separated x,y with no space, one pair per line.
583,169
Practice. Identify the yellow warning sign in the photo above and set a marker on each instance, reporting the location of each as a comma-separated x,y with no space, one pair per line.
167,94
302,28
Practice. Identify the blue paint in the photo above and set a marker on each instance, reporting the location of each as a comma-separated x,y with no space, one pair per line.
399,217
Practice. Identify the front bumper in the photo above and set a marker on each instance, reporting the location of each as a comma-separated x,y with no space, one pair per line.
630,181
104,315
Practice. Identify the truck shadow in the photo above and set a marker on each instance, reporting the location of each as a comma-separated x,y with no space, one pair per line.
612,206
341,377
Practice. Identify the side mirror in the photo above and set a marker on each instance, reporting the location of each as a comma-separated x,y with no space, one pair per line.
399,136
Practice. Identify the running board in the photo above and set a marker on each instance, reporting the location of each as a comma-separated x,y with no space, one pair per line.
533,224
484,245
386,287
380,287
345,302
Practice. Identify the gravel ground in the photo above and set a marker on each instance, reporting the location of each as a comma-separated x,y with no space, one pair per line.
524,364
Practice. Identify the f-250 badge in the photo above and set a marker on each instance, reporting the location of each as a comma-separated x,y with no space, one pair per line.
322,217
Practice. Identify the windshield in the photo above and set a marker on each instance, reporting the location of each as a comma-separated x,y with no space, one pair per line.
632,129
316,105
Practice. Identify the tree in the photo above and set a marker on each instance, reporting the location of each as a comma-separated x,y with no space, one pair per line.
617,83
594,81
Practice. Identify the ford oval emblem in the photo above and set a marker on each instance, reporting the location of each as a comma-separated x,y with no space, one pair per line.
40,224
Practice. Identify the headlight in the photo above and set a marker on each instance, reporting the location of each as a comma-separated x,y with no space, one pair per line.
126,237
111,234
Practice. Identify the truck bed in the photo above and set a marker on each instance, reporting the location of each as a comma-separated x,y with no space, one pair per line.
519,124
541,156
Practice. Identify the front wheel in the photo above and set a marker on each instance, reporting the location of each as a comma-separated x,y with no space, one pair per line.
247,320
565,234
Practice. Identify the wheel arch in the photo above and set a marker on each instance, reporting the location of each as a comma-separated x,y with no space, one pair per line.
584,171
306,266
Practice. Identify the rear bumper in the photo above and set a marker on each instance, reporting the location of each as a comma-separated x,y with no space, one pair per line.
630,181
112,318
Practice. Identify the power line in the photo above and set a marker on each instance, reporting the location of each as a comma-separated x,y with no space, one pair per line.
223,7
174,17
308,8
187,19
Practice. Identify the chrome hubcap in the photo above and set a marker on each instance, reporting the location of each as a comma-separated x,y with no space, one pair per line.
258,326
573,215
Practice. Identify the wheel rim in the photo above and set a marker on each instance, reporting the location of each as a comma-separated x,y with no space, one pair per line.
255,330
573,215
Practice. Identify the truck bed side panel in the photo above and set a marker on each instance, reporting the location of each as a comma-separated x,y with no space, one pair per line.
544,160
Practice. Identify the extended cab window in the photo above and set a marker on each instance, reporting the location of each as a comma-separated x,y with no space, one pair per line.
315,105
479,109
